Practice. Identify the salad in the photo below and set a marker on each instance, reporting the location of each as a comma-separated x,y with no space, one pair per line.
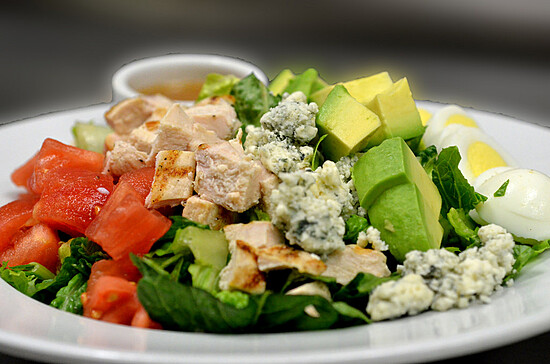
298,206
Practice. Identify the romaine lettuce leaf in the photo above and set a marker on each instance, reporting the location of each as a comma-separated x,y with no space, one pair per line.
217,85
454,188
252,100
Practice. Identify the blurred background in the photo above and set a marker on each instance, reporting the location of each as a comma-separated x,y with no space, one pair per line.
491,55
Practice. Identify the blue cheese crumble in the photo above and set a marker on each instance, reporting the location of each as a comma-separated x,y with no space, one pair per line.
282,141
309,206
454,280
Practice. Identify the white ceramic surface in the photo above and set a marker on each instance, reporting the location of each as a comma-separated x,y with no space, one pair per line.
33,330
177,67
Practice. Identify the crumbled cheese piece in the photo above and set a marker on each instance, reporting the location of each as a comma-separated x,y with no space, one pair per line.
345,165
372,237
281,143
457,280
408,295
292,119
309,207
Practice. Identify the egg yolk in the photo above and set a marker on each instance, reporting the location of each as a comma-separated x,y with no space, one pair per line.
425,115
462,120
482,157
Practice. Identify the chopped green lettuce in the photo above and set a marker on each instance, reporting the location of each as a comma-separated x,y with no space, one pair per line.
217,85
454,188
90,136
354,225
252,100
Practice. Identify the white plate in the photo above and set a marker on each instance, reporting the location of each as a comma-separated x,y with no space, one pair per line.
36,331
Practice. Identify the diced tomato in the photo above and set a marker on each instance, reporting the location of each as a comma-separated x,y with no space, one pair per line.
111,299
111,294
143,320
125,226
20,177
39,244
141,179
72,199
123,268
54,154
13,217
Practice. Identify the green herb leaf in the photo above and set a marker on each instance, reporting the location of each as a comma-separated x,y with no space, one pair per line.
454,188
354,225
68,297
252,100
464,227
317,156
427,158
524,254
502,189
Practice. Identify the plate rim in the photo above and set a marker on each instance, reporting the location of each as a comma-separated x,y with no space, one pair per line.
452,346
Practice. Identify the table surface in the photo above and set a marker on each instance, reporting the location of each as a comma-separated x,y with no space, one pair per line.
62,56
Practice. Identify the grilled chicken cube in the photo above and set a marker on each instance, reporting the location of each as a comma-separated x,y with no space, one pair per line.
226,176
173,180
207,213
242,272
315,288
346,263
131,113
124,157
285,257
259,234
218,116
144,135
177,131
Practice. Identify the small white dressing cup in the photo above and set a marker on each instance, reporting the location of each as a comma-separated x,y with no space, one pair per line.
153,71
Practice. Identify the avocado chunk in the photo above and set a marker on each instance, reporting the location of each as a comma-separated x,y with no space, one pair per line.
397,111
280,82
209,247
400,198
362,89
346,122
390,164
405,220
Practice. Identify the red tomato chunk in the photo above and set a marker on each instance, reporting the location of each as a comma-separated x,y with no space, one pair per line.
13,217
125,226
38,243
111,295
54,154
141,179
73,199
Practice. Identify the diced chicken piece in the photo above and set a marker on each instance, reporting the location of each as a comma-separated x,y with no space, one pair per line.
124,158
345,264
110,141
315,288
207,213
258,234
131,113
242,272
177,131
144,135
220,117
285,257
227,177
268,183
173,180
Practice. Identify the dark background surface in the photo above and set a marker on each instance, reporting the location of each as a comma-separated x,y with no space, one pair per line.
59,55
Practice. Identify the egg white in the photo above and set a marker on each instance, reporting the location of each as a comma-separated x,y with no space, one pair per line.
524,210
447,116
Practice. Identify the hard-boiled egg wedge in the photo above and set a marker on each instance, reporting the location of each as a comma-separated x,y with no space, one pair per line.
479,152
448,115
523,206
